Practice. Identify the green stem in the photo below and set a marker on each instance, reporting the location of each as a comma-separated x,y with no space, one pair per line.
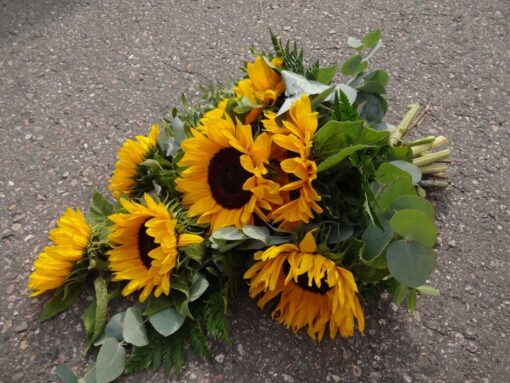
401,130
434,168
431,158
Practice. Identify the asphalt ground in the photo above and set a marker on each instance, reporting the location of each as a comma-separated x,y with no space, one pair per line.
78,77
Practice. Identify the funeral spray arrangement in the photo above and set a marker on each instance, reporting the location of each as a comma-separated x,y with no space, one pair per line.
287,180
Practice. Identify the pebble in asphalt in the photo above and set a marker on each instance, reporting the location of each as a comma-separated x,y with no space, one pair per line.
78,77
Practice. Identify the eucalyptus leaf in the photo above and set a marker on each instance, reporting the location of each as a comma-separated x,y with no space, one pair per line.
256,232
371,39
229,234
349,91
167,321
354,43
413,202
113,329
110,361
390,192
133,328
414,225
372,107
65,373
90,376
157,304
354,65
408,167
409,262
376,241
198,287
387,172
325,75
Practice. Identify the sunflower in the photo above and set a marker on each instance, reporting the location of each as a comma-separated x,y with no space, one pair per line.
131,154
294,138
223,183
70,241
312,290
145,246
263,85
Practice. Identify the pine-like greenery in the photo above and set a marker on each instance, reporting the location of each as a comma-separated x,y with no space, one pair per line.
342,108
169,352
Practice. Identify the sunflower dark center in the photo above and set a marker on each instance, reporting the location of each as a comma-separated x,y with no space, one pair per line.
226,178
145,245
302,282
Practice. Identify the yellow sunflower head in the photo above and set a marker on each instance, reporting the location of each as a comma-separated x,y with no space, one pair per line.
312,291
223,183
70,241
263,85
294,138
131,154
145,247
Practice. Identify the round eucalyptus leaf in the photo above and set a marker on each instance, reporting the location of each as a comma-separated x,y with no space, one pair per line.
413,170
133,328
409,262
198,287
167,321
413,202
110,361
414,225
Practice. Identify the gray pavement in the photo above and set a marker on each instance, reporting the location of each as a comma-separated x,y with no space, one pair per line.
78,77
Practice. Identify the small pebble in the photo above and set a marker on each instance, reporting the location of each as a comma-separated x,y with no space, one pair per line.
22,326
219,358
16,227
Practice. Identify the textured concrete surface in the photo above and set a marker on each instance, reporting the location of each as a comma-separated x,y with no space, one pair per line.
77,77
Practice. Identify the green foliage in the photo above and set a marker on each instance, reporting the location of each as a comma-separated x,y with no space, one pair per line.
291,54
342,109
95,316
216,317
63,298
110,362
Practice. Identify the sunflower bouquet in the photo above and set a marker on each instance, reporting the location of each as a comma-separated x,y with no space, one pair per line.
285,179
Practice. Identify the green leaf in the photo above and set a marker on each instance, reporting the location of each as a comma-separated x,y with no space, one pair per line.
113,329
133,329
428,290
413,202
376,240
167,321
390,192
379,76
58,303
409,262
372,88
411,301
414,225
408,167
336,159
336,135
400,294
88,318
355,43
157,304
256,232
90,376
325,75
100,310
373,107
228,234
198,287
110,361
354,65
386,173
371,39
64,372
195,252
99,208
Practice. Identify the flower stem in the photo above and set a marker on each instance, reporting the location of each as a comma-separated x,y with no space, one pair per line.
401,130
